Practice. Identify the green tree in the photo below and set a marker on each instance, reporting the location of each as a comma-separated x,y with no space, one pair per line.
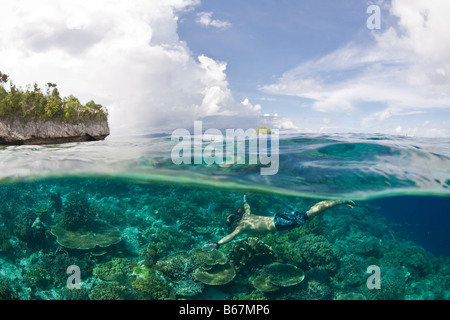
34,104
3,78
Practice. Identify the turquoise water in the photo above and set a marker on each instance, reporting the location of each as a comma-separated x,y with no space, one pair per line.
134,222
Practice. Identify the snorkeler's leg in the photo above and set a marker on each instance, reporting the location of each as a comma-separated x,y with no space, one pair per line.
327,204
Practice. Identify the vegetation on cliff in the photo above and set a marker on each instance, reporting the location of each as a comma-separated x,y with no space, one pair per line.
34,104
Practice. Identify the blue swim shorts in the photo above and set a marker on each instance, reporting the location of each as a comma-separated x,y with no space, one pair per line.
287,220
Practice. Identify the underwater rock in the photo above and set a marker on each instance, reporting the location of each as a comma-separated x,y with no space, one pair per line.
98,234
217,275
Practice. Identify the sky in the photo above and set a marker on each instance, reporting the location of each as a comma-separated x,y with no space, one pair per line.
303,66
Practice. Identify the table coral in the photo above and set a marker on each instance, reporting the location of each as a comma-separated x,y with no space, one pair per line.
219,274
97,234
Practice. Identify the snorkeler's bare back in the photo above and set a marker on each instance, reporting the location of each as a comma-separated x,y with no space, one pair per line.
250,224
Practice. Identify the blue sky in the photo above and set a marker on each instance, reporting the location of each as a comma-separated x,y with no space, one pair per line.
305,66
264,39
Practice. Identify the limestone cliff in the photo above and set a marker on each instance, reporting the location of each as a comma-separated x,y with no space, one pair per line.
15,131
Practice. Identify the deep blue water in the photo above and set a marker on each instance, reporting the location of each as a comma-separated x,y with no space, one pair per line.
424,219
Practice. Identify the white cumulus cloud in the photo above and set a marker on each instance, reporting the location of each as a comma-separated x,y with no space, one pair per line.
405,71
125,55
205,19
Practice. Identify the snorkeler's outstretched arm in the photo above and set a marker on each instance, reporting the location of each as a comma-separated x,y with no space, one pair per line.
246,207
327,204
226,239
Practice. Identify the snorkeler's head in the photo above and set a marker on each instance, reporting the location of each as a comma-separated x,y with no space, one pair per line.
236,216
233,219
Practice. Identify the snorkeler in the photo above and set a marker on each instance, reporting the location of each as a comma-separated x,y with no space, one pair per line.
284,220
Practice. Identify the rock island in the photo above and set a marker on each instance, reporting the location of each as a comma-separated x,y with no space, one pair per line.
34,117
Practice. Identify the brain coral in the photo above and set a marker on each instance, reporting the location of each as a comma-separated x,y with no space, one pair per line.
313,251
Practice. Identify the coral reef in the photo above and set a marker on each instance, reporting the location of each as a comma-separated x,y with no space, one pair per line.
96,234
118,269
77,294
216,275
152,288
77,212
351,296
313,251
150,247
6,293
56,202
284,275
392,286
209,258
177,267
316,286
178,270
250,253
187,288
352,271
277,275
30,229
110,290
263,284
414,258
213,267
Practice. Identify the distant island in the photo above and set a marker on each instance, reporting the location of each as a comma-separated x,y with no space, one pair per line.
33,117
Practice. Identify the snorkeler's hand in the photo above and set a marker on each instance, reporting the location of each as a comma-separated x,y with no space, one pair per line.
210,247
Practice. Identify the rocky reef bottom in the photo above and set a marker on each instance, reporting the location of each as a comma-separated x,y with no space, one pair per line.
99,239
